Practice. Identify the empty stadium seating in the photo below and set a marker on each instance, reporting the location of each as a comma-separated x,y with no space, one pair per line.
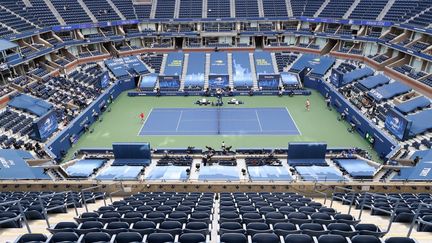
218,9
191,217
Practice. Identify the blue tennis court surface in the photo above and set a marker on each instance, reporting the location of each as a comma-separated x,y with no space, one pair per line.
219,121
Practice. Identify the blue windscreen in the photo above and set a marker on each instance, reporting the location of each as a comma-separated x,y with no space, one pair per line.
242,75
219,63
174,64
195,70
218,77
263,63
307,150
131,150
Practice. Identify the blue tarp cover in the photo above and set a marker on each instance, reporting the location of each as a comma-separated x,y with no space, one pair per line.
84,168
13,166
356,168
168,173
219,173
319,173
389,91
30,104
413,104
266,173
374,81
356,75
6,45
421,172
120,173
319,64
421,122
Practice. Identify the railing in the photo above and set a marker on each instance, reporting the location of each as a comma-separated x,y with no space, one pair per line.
392,213
101,196
320,192
117,191
64,205
20,216
350,192
85,200
417,217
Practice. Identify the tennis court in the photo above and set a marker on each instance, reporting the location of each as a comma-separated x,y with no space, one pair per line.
219,121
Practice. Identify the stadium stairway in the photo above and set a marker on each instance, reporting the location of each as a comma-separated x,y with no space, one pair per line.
87,10
351,9
324,4
260,8
113,6
153,9
230,70
55,12
289,8
274,62
207,71
417,15
177,9
233,8
204,9
184,71
386,9
252,65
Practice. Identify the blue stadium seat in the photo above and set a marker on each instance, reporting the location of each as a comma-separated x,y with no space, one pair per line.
365,239
265,238
399,240
31,238
299,238
233,238
192,238
63,237
128,237
332,239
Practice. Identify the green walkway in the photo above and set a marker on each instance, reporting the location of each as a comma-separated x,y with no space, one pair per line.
122,124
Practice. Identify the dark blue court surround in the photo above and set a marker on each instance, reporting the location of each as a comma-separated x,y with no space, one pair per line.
219,121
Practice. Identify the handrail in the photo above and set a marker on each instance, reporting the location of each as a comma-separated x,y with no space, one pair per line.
320,192
343,199
103,196
392,212
417,218
84,199
20,216
45,209
117,191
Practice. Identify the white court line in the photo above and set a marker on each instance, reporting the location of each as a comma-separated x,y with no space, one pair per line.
292,118
259,121
142,127
179,120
